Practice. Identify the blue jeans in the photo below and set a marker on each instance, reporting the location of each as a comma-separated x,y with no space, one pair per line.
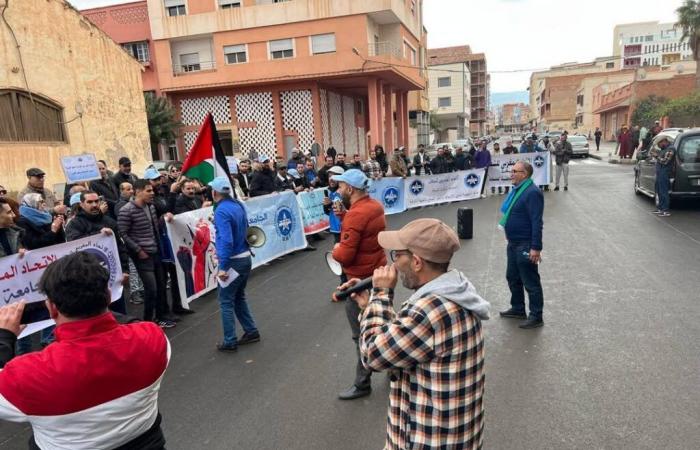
663,186
521,273
232,301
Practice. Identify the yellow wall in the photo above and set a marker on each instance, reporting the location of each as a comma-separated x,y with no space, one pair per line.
71,62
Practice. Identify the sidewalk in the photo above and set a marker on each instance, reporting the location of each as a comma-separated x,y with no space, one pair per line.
607,153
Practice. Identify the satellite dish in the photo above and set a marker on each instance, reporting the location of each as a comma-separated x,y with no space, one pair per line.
642,74
680,69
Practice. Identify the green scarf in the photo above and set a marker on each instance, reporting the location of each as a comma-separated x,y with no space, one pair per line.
511,200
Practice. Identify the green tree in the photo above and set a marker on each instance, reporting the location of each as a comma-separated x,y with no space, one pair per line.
162,122
683,111
435,124
689,23
648,110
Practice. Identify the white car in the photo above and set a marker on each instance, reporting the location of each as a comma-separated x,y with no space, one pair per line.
579,144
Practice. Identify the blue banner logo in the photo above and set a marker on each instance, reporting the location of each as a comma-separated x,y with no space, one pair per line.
416,187
471,180
390,196
285,222
538,161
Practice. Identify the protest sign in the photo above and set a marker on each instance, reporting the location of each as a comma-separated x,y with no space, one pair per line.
19,276
79,168
311,206
232,163
502,165
447,187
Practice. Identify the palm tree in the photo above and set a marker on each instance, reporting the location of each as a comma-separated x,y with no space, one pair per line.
689,23
162,123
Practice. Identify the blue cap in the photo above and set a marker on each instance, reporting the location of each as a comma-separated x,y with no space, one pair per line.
353,177
263,158
294,173
151,174
221,185
74,199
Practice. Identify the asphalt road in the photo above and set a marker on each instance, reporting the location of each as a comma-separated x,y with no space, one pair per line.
615,366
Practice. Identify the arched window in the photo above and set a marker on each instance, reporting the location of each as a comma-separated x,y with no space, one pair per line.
22,120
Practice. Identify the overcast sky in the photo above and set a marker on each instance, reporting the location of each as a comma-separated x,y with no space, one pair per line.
535,34
524,34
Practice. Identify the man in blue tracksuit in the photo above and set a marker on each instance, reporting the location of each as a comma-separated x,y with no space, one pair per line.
235,263
328,201
522,219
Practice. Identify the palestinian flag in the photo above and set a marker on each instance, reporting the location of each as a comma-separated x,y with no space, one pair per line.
206,159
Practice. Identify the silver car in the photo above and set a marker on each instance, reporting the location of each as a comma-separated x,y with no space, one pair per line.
579,145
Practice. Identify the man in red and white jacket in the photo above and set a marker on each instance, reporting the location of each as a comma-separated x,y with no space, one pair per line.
96,386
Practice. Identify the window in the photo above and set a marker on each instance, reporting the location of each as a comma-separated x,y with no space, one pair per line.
322,43
27,121
235,54
175,7
649,37
610,65
690,150
409,53
444,82
189,62
138,50
228,4
444,102
282,48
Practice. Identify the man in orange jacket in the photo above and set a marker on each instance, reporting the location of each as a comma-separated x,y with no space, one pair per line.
359,253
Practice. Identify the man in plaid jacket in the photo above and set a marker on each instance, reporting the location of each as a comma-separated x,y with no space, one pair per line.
433,347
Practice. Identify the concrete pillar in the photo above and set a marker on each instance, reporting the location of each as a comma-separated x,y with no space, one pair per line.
400,124
388,119
374,112
318,128
279,131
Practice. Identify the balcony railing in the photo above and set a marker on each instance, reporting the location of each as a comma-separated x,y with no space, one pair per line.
384,49
184,69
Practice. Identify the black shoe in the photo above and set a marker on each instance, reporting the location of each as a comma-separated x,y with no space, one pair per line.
165,323
566,188
309,248
510,314
556,188
531,323
136,298
249,338
355,392
227,348
182,311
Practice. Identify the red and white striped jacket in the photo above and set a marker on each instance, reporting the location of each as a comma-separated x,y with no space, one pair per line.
96,387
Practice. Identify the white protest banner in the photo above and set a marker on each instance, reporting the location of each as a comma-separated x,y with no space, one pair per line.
192,237
277,220
232,163
502,165
311,205
447,187
79,168
19,277
390,192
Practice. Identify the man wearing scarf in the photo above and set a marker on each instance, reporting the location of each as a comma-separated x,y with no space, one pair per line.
522,220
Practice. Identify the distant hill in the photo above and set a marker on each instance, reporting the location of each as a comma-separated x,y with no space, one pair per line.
499,98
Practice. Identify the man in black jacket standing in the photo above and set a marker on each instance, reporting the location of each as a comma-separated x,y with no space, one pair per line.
244,177
124,174
263,181
90,221
105,188
421,161
188,199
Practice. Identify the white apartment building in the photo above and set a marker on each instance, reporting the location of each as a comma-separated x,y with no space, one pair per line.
449,90
649,44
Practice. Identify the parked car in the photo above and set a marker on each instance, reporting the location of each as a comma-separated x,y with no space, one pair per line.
554,135
579,145
465,143
685,173
432,150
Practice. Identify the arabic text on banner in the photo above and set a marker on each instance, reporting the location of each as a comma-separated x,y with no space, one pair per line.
447,187
311,205
19,277
192,238
501,166
390,193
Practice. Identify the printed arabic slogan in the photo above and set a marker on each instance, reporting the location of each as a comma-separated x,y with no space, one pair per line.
501,167
311,205
19,277
79,168
448,187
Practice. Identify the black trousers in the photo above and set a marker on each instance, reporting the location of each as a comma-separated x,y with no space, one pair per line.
152,275
175,299
362,374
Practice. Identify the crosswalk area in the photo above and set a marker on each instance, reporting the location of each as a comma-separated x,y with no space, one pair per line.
584,161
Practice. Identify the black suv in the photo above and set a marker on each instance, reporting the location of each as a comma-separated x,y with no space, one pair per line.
685,173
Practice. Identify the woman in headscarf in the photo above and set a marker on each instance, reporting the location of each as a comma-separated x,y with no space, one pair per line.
40,228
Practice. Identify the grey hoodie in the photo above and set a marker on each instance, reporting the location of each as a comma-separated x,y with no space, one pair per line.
455,287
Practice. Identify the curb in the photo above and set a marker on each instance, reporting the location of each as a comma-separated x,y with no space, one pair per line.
595,156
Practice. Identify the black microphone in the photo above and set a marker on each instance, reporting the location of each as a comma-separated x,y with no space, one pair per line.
342,294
